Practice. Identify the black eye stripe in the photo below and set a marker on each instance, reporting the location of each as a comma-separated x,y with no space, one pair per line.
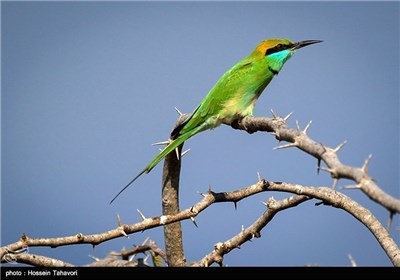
277,48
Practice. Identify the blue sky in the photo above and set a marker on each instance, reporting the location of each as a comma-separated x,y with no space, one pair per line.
87,87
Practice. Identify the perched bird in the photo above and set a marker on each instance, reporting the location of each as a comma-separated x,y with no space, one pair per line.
234,95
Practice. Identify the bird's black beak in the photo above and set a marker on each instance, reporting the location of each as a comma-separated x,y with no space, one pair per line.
301,44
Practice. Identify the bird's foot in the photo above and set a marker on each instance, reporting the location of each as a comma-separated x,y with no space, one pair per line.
239,124
236,123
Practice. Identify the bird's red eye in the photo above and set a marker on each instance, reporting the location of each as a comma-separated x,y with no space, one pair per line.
279,47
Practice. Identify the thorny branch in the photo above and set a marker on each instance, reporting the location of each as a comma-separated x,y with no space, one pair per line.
299,138
36,260
173,238
253,231
327,195
125,229
341,201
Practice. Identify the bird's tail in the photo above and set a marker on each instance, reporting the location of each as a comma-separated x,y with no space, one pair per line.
171,147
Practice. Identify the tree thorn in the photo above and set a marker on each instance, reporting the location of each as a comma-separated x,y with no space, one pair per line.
119,220
146,260
337,149
318,165
271,203
352,261
161,143
335,181
264,203
179,112
298,125
141,214
288,116
333,173
390,220
193,220
273,114
326,169
365,165
290,145
351,187
319,203
202,194
185,152
177,153
94,258
259,177
307,127
235,204
146,240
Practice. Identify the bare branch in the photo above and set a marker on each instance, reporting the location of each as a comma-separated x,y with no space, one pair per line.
170,204
114,261
253,231
148,223
277,126
339,200
126,253
328,197
37,260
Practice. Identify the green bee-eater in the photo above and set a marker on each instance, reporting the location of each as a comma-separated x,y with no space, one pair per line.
234,95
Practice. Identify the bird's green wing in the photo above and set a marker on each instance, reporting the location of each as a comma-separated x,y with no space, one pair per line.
207,113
